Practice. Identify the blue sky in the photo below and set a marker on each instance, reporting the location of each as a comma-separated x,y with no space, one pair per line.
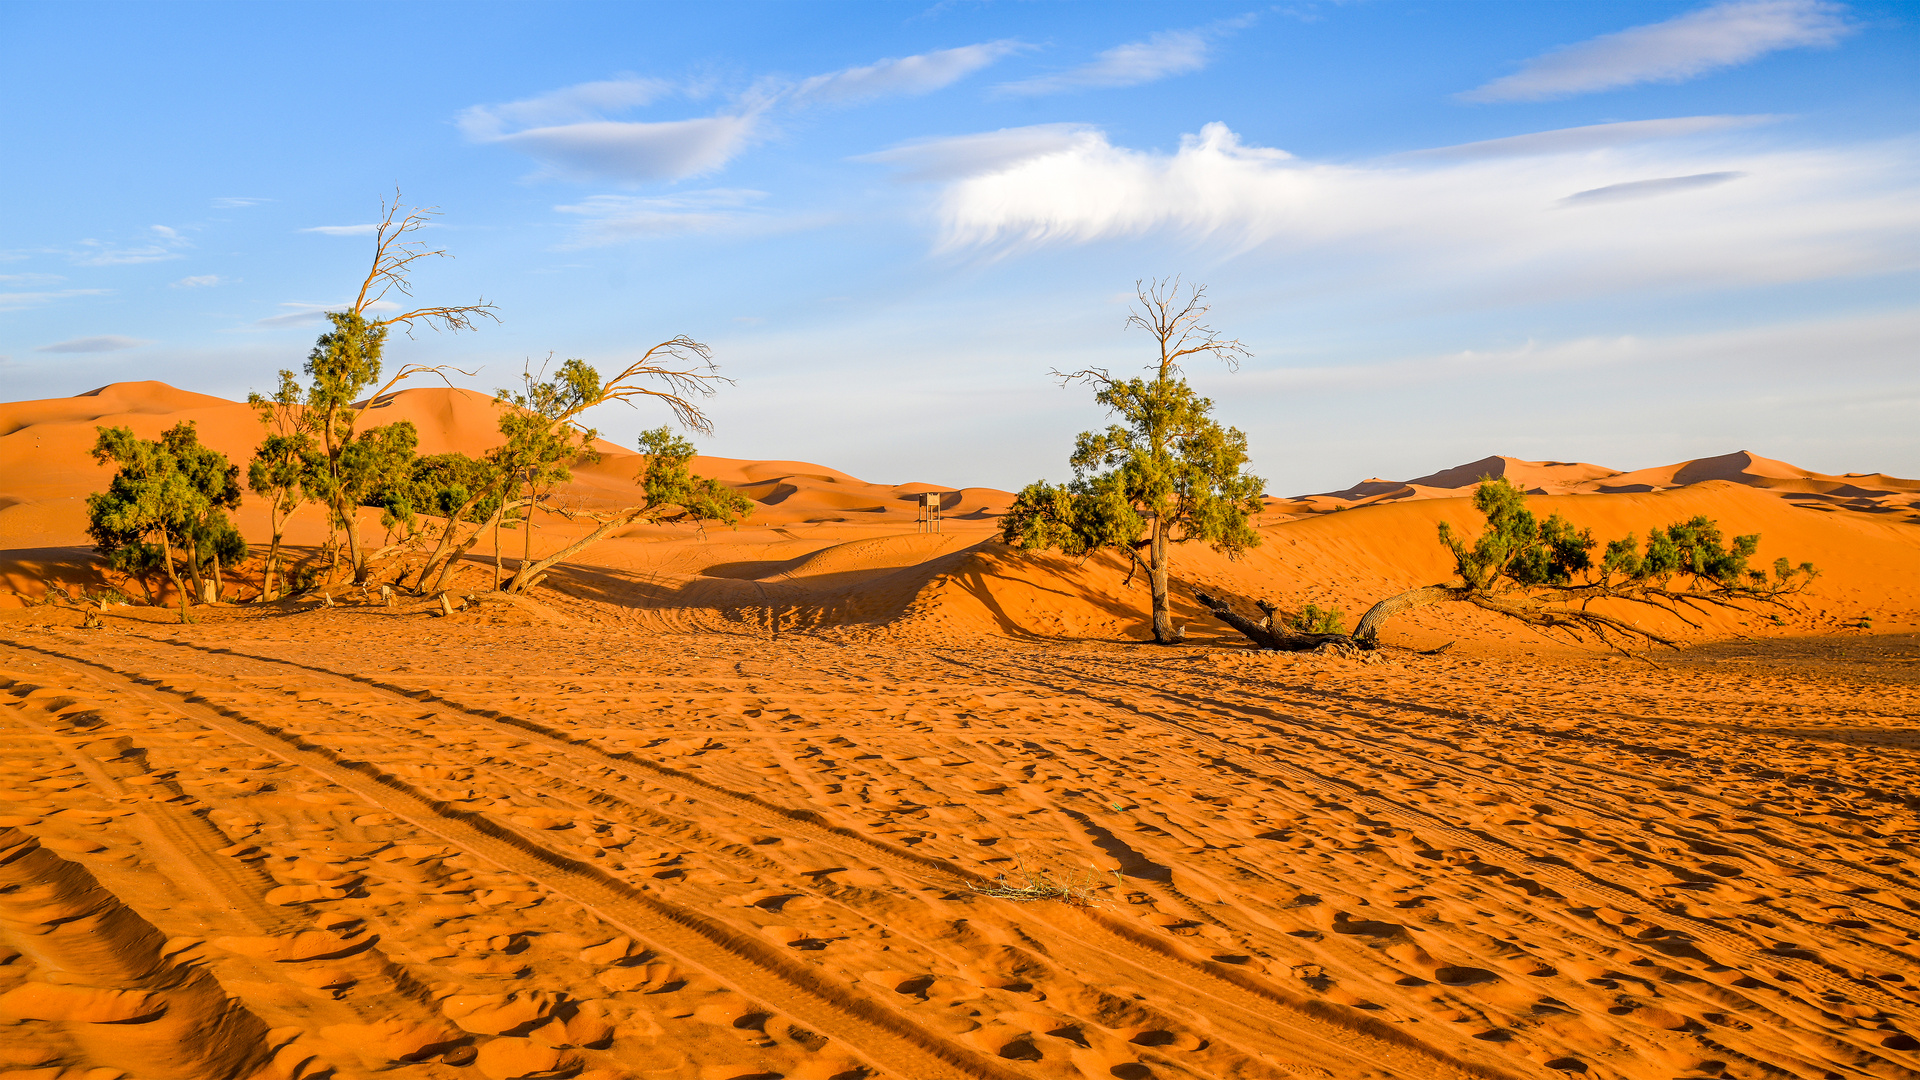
1628,233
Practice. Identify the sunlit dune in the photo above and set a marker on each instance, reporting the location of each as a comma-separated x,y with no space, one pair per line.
832,796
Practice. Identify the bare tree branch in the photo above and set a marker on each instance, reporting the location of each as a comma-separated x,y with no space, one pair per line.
394,254
1177,325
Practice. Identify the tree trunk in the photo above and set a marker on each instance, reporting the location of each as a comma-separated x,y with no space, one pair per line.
1157,577
273,561
1264,633
355,550
1378,614
213,583
447,535
166,553
446,570
193,573
524,578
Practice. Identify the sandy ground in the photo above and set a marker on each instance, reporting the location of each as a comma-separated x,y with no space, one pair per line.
828,798
398,840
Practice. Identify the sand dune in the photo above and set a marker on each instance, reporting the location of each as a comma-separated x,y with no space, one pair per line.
1871,493
802,799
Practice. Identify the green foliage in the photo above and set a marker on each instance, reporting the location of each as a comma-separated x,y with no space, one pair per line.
343,364
376,462
1694,548
1313,620
1515,545
440,484
672,490
1169,458
167,499
537,421
1516,549
287,460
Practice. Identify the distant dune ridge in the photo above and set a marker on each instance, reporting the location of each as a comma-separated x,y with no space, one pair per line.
1872,493
831,550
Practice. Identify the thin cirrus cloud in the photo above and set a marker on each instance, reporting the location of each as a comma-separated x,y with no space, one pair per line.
569,133
1721,36
237,202
20,301
163,243
617,219
198,281
1167,53
345,230
1647,189
1589,137
950,158
920,74
577,132
297,313
1658,218
102,344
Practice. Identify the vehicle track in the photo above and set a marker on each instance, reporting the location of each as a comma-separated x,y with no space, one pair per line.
1341,1034
1488,847
872,1031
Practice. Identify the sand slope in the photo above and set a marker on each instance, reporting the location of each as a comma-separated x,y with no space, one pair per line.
828,798
1871,493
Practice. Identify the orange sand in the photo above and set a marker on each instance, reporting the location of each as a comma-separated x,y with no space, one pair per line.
746,804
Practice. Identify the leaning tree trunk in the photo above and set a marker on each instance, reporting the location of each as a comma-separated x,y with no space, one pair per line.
1157,578
447,535
1378,614
523,579
1263,632
460,550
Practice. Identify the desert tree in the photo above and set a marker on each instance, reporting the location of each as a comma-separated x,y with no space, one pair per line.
348,358
680,370
1167,473
165,502
543,435
209,540
1543,574
283,467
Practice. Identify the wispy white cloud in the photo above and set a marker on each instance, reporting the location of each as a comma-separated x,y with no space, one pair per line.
1591,137
635,151
106,343
616,219
570,132
569,105
1476,224
1880,339
1646,189
956,156
1161,55
198,281
1721,36
920,74
31,279
299,313
163,243
345,230
236,202
20,301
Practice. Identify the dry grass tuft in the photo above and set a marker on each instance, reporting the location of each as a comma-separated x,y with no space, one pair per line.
1024,885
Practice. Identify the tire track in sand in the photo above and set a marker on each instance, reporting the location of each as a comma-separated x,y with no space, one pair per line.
884,1039
1571,882
1342,1035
